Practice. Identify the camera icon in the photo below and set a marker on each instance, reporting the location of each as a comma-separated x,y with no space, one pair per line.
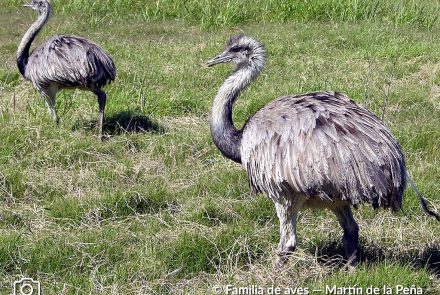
27,286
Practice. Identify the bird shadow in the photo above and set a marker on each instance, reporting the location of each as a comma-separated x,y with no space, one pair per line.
429,258
123,122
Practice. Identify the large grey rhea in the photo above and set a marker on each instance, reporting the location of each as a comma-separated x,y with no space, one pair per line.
63,61
315,150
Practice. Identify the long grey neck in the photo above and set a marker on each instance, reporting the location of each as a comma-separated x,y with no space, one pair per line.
28,38
226,137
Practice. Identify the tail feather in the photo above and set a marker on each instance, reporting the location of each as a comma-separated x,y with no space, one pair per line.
423,202
107,65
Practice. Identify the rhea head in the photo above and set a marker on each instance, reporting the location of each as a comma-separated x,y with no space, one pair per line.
243,51
39,5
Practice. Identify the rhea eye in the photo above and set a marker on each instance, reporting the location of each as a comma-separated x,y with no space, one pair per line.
235,49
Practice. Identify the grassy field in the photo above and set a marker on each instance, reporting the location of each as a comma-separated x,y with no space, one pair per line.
155,208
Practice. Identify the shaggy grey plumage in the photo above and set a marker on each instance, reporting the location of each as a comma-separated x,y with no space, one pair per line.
63,61
316,150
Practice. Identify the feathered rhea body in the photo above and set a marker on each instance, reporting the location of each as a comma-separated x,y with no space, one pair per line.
63,61
323,146
71,61
315,150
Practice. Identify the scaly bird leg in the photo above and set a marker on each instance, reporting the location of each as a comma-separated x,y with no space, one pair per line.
102,98
351,233
288,215
49,95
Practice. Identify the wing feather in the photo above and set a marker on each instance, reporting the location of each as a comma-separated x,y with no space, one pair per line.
70,61
323,144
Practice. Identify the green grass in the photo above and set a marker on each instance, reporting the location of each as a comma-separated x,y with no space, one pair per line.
161,211
208,14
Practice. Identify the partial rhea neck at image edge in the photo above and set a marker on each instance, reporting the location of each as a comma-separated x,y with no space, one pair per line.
226,137
28,38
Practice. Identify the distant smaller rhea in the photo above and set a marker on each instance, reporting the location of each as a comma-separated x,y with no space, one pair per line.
64,61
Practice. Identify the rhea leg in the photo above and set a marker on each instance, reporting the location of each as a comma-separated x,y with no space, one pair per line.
102,98
49,95
288,215
351,232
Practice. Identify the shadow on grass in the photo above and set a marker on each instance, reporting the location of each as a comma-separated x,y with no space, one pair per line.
123,122
429,257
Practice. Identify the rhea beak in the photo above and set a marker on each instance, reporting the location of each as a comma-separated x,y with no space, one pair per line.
221,58
28,5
